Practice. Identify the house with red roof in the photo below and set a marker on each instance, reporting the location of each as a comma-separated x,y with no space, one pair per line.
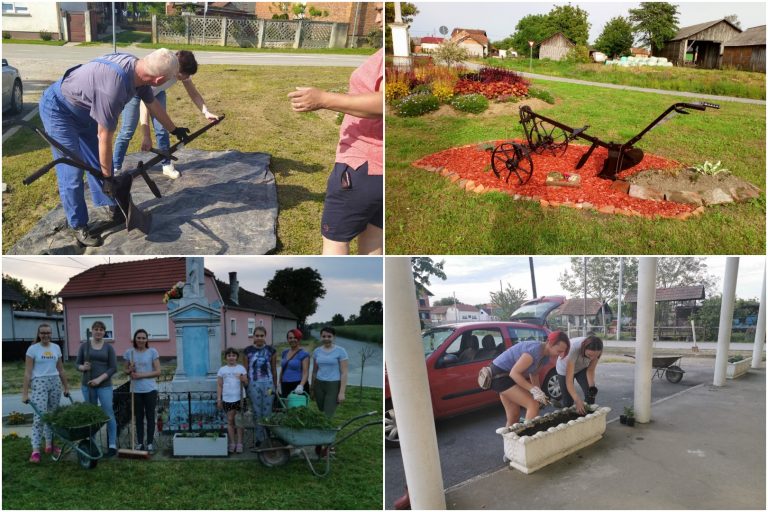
429,44
130,295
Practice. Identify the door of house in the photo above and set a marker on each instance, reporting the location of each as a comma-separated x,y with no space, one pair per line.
76,27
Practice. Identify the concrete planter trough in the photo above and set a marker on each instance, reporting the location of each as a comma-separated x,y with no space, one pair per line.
528,453
199,446
738,368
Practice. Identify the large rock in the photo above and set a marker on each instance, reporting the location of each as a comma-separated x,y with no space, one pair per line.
642,192
716,196
225,202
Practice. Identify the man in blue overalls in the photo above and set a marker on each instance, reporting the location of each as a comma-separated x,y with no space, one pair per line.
81,111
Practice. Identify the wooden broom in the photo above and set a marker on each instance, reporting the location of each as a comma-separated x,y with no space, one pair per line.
133,453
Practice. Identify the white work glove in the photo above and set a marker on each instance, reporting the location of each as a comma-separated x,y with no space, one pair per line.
299,389
539,395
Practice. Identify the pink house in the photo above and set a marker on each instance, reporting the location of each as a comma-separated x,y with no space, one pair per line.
128,296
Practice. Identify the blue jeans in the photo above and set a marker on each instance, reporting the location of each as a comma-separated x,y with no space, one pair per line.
73,128
103,396
128,128
581,378
262,395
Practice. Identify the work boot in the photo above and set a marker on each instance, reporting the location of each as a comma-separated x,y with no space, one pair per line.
170,171
85,238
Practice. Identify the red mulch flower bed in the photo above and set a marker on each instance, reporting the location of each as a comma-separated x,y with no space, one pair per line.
473,163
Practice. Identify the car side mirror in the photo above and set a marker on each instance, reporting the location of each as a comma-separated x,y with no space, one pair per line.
447,360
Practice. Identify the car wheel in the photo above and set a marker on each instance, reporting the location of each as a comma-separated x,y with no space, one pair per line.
17,101
552,386
391,437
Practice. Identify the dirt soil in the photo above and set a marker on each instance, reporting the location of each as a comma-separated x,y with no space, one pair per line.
555,420
685,180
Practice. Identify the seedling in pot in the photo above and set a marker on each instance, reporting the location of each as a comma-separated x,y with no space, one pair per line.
629,417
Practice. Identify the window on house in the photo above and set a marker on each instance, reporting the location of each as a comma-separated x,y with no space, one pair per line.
15,8
251,326
422,303
86,321
156,324
232,326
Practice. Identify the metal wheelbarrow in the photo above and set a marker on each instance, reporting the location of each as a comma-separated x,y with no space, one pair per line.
77,439
282,440
666,366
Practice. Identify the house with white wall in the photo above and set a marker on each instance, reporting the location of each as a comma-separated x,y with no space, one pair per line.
473,40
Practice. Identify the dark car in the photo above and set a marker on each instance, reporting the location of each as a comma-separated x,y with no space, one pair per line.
13,92
454,355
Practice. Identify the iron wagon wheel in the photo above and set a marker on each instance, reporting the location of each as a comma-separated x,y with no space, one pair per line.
674,374
277,454
514,159
549,138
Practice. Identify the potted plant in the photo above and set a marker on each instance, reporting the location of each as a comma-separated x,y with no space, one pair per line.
738,365
629,415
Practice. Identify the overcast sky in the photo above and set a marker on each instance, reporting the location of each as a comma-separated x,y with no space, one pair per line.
499,19
349,282
472,278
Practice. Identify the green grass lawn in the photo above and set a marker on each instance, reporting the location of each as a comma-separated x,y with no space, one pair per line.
355,480
210,48
259,119
124,38
742,84
34,41
426,214
372,333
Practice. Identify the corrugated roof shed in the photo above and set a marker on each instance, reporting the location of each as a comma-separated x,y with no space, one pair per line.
672,294
141,276
686,32
754,36
250,301
575,307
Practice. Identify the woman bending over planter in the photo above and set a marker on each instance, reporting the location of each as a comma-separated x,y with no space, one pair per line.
294,362
142,364
98,362
516,374
329,374
44,373
262,379
579,364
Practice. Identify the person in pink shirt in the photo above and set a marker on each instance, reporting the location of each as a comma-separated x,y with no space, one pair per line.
354,197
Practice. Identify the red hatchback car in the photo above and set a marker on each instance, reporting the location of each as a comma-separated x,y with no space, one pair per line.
455,353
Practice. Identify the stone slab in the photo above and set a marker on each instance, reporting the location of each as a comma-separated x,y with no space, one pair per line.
225,202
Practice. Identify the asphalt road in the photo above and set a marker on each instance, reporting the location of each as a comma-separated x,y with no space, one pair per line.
40,65
469,445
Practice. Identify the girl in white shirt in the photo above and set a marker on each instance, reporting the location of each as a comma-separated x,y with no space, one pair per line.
229,385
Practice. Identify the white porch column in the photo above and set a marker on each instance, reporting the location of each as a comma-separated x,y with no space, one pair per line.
646,315
757,350
726,320
408,383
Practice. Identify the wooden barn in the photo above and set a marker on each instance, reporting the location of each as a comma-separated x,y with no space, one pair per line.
702,44
746,51
555,47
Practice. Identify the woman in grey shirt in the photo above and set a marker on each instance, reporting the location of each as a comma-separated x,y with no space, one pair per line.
98,362
579,365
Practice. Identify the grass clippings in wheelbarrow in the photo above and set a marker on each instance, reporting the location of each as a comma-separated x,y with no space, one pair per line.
470,167
300,417
78,414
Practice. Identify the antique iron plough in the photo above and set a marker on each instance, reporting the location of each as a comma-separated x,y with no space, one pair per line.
545,135
118,187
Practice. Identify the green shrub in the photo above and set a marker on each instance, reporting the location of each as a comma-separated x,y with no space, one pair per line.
45,35
417,105
472,103
422,89
542,95
300,417
6,35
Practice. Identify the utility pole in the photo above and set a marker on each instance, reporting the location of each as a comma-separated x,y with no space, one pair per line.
533,276
585,297
621,282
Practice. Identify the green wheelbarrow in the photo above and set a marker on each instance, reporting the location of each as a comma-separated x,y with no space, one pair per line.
283,440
